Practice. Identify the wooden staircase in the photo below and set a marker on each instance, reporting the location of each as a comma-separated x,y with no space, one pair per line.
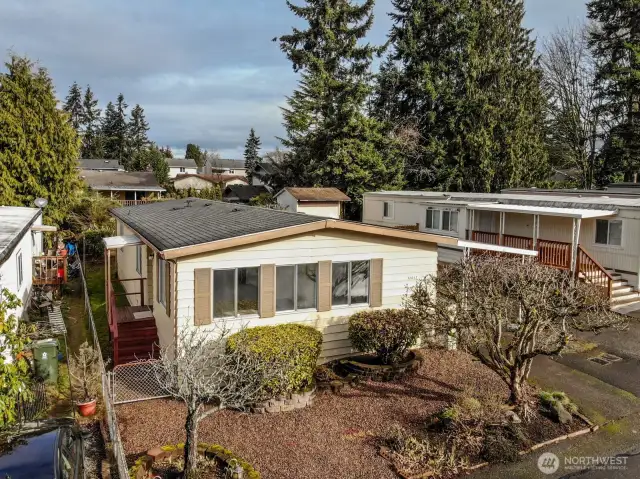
136,340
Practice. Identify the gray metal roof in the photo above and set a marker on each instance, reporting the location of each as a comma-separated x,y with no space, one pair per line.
99,164
15,222
188,222
226,163
603,201
121,180
181,163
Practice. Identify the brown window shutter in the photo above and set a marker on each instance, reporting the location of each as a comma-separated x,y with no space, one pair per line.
376,283
167,287
202,291
324,286
267,290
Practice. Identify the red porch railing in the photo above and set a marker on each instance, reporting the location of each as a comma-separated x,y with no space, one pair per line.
556,254
113,313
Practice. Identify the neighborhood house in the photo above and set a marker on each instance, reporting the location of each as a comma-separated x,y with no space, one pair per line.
313,201
190,263
200,182
126,187
594,234
181,166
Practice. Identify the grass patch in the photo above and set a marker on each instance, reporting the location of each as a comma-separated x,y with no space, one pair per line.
579,346
613,427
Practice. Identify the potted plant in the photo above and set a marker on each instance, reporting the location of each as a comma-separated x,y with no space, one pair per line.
85,376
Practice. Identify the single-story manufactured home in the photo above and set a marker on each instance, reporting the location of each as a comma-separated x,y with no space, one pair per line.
192,263
594,234
126,187
313,201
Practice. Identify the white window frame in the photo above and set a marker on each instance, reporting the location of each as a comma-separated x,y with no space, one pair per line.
441,216
235,294
608,244
390,209
231,172
349,303
182,169
162,276
295,288
139,260
19,269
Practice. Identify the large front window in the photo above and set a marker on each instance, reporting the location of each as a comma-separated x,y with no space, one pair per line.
296,287
609,232
441,219
235,292
350,283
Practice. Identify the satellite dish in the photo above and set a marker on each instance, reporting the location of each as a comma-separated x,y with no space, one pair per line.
41,202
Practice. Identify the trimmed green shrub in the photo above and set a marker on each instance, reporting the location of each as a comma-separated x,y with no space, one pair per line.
93,242
387,332
295,345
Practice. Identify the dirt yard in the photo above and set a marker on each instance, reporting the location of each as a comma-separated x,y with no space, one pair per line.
335,438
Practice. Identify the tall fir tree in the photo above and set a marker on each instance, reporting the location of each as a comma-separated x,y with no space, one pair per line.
115,131
92,140
39,147
252,153
331,141
137,131
194,152
166,151
615,43
73,106
462,75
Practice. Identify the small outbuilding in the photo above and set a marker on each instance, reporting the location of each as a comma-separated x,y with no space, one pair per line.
325,202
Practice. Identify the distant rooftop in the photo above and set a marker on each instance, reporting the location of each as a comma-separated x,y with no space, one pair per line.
121,180
213,178
226,163
99,164
181,163
316,194
244,192
15,221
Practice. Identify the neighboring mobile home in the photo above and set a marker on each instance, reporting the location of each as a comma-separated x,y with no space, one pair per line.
313,201
127,187
191,263
594,234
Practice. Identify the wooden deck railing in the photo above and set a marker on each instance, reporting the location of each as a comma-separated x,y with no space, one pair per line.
49,270
556,254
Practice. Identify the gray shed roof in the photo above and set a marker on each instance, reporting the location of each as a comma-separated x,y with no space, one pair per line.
121,180
181,163
181,223
99,164
15,221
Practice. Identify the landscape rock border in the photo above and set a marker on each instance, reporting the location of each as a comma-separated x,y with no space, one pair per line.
290,402
142,467
382,372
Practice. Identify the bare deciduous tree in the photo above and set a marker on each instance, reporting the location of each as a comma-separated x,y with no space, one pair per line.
506,311
574,113
198,370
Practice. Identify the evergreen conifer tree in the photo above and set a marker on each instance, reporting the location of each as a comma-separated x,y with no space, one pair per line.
331,141
615,44
252,153
194,152
38,145
137,131
115,131
73,106
92,140
463,74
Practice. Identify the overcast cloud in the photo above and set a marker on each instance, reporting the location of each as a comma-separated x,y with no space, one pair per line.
205,71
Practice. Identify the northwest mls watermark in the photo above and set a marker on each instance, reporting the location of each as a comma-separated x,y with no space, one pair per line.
549,463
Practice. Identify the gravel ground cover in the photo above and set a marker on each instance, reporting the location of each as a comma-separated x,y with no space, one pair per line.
336,438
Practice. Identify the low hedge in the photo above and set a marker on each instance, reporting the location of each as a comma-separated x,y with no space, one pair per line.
296,345
389,333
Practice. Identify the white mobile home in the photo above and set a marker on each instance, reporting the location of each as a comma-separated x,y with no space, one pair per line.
192,263
591,233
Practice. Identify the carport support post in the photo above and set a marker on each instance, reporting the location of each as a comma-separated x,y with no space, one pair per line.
536,230
575,238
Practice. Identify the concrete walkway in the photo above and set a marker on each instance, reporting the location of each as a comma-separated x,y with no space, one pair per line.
605,395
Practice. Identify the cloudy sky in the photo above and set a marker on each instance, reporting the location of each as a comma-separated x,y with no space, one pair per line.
205,71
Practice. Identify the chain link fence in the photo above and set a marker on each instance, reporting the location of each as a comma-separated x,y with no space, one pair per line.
136,381
112,420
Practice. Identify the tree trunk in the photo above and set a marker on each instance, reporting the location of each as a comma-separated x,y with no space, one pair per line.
516,387
191,444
